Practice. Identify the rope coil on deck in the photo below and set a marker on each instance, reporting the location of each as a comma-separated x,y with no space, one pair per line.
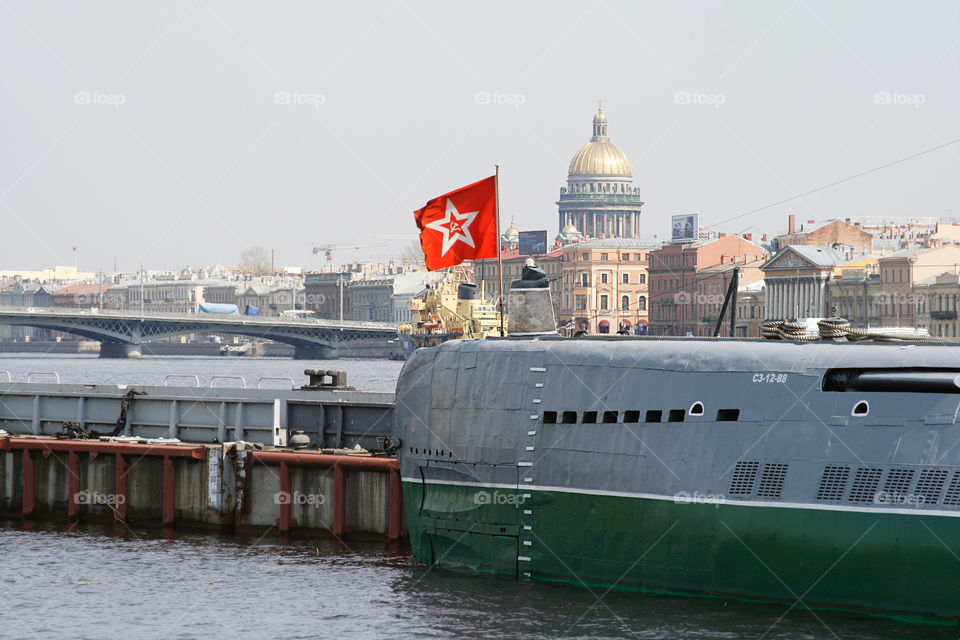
834,329
785,330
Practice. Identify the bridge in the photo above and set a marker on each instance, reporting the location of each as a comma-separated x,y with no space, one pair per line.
121,332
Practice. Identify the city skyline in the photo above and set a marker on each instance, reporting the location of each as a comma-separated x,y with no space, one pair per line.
187,133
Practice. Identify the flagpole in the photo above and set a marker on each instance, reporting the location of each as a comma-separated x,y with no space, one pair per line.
496,189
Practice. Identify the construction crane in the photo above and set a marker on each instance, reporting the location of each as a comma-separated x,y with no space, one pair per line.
328,249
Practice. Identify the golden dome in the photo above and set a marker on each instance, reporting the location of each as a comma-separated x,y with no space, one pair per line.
570,228
512,231
600,156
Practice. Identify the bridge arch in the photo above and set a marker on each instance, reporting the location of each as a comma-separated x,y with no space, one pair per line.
121,333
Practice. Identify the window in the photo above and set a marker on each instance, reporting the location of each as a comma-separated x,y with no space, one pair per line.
585,256
584,280
603,256
643,278
626,278
581,302
625,303
626,257
604,304
603,278
642,303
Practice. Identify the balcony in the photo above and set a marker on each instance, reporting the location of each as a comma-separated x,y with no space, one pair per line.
943,315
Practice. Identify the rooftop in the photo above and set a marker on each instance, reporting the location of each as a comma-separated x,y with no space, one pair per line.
616,243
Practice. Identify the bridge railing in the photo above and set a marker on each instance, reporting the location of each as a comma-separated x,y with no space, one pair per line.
211,318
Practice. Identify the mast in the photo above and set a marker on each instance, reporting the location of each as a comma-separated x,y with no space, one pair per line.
496,184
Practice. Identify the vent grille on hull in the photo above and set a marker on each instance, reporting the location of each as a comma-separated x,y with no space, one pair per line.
771,480
865,483
832,482
952,496
898,481
744,475
930,484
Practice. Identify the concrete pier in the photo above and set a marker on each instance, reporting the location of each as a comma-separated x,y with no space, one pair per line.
315,353
120,350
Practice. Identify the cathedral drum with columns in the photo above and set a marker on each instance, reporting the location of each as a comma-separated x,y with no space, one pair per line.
600,199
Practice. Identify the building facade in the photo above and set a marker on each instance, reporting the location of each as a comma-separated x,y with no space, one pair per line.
80,296
26,295
796,281
600,199
604,286
167,295
712,284
326,294
674,307
899,272
854,294
936,303
371,299
750,309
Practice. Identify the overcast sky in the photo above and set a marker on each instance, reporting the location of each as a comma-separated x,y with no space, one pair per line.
174,133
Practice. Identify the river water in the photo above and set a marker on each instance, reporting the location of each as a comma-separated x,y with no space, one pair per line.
84,581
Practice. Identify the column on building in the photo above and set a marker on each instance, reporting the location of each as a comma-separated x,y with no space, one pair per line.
784,302
821,292
771,301
790,296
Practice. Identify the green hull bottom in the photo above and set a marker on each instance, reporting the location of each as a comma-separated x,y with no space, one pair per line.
899,565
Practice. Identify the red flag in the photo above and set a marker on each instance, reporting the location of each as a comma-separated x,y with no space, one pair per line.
460,225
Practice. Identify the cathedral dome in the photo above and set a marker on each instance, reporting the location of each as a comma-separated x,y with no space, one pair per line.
600,157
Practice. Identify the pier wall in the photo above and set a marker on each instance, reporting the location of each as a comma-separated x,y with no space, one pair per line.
225,487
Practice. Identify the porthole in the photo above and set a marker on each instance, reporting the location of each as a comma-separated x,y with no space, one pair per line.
860,409
696,409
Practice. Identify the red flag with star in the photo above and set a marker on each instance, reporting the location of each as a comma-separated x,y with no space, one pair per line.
460,225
